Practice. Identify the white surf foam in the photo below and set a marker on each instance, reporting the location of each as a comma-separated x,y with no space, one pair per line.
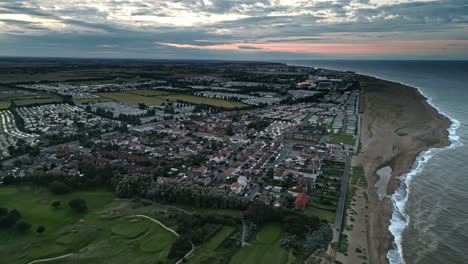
400,219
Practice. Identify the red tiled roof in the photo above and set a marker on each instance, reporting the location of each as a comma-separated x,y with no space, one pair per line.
301,200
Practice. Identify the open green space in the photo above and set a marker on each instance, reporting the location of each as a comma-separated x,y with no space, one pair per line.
264,247
321,211
208,251
51,99
150,97
103,234
132,98
299,142
203,100
211,211
149,92
345,139
92,100
4,105
24,97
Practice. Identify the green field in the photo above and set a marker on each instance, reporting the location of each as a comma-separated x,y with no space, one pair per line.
150,97
132,98
51,99
104,234
209,251
300,142
92,100
149,92
322,211
345,139
203,100
4,105
22,99
264,248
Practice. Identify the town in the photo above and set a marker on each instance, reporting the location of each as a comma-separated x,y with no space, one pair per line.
266,133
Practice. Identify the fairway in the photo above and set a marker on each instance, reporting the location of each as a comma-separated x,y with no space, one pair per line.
104,234
264,248
208,251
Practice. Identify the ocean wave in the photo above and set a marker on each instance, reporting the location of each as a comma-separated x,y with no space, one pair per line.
400,219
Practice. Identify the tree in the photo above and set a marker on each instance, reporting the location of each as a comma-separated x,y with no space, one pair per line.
40,229
9,179
58,187
23,226
10,219
79,205
56,204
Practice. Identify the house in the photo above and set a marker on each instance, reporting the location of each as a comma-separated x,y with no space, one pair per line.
161,179
229,172
301,201
236,187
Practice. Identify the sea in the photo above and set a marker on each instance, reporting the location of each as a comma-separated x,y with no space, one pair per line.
430,208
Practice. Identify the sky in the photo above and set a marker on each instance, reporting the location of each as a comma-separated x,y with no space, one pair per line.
235,30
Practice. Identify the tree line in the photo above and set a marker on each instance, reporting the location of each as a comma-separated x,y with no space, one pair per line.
177,192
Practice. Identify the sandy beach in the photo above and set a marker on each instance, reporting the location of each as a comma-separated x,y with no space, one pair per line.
397,125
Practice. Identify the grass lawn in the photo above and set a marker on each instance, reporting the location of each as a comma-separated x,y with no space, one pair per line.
149,92
92,100
104,234
264,248
132,98
203,100
210,211
300,142
345,139
150,97
321,211
53,99
208,251
4,105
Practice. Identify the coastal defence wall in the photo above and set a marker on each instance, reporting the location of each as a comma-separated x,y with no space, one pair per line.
397,125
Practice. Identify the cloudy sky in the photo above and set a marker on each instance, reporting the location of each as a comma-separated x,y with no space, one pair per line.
234,29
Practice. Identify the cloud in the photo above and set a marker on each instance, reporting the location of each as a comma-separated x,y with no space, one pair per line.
249,47
254,28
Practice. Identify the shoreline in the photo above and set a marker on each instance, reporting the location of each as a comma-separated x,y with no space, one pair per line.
402,158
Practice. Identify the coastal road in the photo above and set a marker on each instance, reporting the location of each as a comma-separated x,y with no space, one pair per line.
358,134
341,202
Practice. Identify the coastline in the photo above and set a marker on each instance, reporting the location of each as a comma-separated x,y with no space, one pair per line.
408,128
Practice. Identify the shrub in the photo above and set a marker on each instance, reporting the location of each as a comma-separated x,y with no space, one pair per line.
79,205
58,187
23,226
56,204
40,229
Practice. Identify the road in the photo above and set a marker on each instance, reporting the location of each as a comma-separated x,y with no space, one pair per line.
358,132
342,201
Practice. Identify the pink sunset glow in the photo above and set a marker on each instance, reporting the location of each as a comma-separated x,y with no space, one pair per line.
419,47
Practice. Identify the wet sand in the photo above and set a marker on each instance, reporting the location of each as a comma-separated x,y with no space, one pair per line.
397,125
